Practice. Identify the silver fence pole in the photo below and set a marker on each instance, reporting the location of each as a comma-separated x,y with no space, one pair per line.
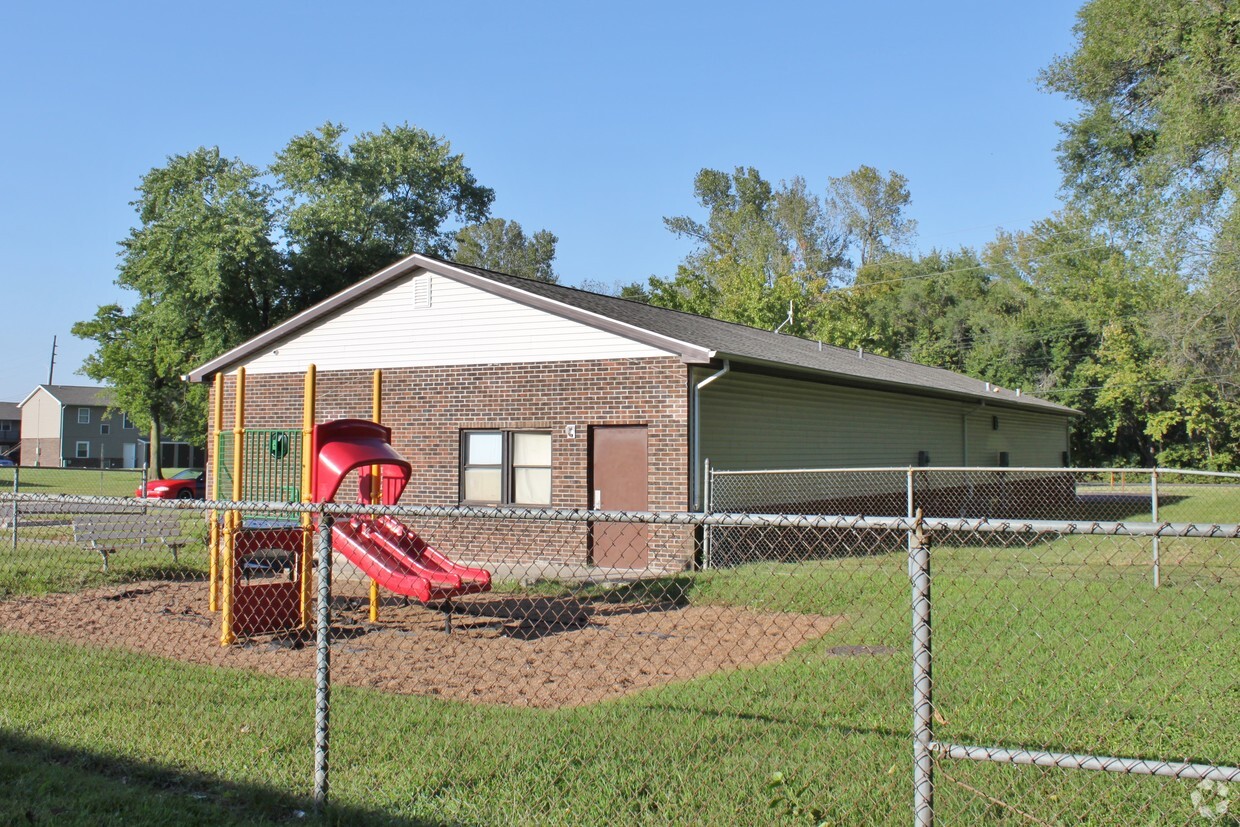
909,509
16,487
322,662
708,492
923,685
1154,519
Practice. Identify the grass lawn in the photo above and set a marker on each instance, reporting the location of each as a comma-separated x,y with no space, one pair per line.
1060,644
84,482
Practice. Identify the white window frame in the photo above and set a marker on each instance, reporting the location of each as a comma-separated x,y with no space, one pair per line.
77,449
104,429
126,422
507,468
83,416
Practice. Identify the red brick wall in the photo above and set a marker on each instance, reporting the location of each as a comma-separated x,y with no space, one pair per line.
428,407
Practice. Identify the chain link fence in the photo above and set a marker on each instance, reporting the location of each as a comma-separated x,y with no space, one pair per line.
774,689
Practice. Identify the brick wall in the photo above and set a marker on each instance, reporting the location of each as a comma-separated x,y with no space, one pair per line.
44,451
428,407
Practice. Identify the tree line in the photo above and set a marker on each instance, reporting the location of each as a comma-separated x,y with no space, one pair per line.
1124,304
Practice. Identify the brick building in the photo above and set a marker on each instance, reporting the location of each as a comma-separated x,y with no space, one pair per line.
502,390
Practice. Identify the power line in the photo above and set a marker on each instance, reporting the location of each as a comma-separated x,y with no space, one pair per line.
971,268
1151,383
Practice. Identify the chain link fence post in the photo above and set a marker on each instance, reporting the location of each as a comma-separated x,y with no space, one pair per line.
923,685
707,494
322,663
16,488
1154,519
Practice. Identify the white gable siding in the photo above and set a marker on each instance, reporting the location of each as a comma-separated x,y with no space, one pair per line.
461,326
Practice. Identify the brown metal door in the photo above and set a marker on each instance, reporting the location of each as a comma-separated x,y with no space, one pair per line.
618,474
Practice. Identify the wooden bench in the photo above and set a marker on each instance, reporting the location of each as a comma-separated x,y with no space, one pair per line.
106,533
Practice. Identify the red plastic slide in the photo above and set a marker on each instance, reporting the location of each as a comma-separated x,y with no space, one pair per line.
401,561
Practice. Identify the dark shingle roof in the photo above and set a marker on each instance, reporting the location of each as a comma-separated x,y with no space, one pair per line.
9,410
695,338
80,395
765,347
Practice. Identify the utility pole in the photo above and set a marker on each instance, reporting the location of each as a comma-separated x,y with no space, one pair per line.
51,371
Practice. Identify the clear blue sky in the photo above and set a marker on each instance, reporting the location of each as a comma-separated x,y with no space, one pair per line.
588,120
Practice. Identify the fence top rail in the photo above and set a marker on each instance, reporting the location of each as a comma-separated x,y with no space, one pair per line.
686,518
926,469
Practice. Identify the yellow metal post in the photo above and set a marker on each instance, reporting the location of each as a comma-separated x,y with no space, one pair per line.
376,482
214,550
307,471
232,522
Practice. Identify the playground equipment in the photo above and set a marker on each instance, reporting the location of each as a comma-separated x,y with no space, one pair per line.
311,465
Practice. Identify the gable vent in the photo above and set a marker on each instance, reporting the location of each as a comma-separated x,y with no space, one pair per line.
422,291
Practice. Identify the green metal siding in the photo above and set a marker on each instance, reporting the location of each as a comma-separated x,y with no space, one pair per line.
751,421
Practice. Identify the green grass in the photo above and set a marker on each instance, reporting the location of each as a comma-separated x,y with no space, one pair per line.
1060,644
85,482
47,560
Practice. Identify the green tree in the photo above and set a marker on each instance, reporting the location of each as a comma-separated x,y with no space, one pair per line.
871,210
205,274
219,254
502,245
1158,128
350,211
762,253
1152,154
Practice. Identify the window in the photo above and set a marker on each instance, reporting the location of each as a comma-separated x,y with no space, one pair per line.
506,467
82,449
5,427
83,416
126,422
105,429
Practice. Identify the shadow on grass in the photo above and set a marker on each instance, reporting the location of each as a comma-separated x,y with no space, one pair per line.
49,784
1107,506
570,608
823,725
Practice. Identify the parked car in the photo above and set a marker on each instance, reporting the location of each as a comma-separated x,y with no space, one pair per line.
190,484
5,462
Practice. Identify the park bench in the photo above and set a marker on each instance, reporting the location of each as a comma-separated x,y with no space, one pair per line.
106,533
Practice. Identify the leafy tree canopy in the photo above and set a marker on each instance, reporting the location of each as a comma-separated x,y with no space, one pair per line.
224,250
502,245
764,253
349,211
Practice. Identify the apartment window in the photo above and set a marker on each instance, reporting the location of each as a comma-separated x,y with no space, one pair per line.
105,429
5,427
81,449
83,416
506,467
126,422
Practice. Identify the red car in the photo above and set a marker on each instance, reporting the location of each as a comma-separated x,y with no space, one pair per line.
190,484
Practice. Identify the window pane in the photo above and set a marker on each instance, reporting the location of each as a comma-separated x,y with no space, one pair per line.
531,449
532,486
483,448
482,485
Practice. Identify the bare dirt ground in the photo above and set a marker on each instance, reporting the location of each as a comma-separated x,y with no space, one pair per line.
508,650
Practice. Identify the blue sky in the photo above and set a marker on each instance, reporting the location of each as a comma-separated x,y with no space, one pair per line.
588,120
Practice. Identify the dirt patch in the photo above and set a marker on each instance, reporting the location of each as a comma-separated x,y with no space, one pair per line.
504,649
